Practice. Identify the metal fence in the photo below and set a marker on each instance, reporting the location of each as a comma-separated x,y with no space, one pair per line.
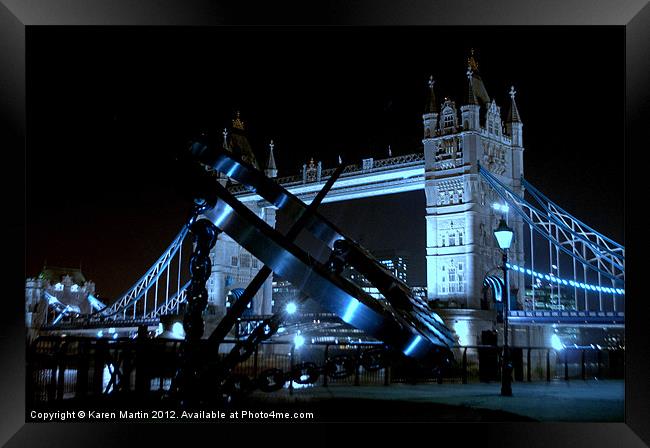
62,368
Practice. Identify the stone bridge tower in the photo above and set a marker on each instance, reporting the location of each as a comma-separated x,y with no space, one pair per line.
461,209
233,267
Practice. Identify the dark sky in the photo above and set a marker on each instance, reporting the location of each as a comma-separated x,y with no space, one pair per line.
108,109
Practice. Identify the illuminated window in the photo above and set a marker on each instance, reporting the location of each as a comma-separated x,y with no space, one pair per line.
448,120
58,287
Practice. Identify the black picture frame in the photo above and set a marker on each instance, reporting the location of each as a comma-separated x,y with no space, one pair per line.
16,16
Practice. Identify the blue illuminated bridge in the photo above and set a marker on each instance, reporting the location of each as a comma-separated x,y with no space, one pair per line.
573,275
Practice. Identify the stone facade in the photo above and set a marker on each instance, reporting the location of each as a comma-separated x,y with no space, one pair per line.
460,218
234,267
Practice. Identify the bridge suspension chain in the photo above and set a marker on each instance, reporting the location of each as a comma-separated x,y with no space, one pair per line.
604,260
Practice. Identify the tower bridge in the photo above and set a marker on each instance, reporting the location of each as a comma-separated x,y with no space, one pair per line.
471,171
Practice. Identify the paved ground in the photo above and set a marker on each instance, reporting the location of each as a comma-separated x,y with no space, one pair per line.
556,401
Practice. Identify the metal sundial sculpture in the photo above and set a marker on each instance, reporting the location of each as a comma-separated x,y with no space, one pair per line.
402,320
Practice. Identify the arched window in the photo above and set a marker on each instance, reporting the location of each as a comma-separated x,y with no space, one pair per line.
452,278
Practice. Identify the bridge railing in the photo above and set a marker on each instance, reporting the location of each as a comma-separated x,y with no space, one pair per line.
350,170
89,368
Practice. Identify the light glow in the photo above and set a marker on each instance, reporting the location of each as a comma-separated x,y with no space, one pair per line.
291,307
556,343
299,341
177,330
412,345
462,331
571,283
350,310
504,235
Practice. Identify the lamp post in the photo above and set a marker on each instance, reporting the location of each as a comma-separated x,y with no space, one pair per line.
503,235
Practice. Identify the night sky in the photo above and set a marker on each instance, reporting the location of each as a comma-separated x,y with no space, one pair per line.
109,108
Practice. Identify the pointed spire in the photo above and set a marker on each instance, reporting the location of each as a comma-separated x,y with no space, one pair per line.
237,123
271,169
513,115
432,106
471,62
340,160
390,152
470,98
479,93
271,164
225,138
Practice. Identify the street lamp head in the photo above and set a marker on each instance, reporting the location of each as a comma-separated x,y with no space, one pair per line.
504,235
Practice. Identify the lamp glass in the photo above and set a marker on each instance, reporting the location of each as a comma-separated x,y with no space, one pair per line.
504,235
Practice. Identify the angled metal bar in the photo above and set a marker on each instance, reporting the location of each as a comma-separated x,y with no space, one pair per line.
381,320
255,181
323,229
240,305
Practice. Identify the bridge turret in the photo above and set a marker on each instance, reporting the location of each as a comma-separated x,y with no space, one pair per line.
430,116
470,108
513,122
238,143
460,213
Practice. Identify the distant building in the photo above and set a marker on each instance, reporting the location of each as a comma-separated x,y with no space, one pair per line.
53,290
395,261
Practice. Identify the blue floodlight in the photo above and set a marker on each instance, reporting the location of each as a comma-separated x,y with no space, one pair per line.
177,330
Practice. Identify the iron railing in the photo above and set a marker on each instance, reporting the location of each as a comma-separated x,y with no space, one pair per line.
77,368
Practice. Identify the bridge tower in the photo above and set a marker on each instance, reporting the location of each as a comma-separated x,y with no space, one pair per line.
461,210
233,267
